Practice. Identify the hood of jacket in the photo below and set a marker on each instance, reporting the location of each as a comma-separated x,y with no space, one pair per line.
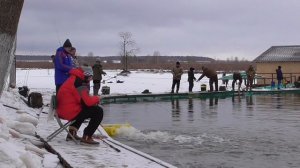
78,72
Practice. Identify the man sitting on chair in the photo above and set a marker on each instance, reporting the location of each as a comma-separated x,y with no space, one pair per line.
75,103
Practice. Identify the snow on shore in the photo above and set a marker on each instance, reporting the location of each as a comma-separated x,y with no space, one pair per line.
19,123
18,146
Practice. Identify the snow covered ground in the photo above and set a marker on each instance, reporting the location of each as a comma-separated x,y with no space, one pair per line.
19,123
18,146
136,82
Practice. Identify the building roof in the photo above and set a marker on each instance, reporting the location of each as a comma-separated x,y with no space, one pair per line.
280,54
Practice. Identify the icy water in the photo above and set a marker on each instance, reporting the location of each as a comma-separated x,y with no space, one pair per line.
259,131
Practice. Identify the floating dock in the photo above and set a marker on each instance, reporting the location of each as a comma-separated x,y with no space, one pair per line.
121,98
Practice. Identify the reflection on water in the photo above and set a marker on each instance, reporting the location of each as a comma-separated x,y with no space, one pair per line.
190,110
249,101
278,102
213,101
175,110
241,131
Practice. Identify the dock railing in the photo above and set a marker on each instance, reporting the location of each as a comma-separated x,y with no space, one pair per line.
267,78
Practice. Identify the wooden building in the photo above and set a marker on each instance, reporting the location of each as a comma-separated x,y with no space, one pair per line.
288,57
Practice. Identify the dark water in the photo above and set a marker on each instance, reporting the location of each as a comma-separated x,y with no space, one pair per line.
259,131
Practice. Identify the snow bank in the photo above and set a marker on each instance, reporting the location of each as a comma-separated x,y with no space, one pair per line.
17,130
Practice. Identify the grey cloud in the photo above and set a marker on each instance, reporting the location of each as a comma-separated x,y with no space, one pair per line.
213,28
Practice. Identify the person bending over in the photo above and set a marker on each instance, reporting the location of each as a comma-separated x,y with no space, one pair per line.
212,76
237,77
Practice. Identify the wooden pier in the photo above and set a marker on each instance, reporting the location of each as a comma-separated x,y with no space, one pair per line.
147,97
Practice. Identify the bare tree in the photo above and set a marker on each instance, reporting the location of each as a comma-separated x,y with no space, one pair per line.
10,11
127,48
90,54
156,55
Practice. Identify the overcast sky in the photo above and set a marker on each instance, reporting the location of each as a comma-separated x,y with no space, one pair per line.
218,29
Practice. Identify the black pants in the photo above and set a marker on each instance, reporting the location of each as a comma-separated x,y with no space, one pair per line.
57,88
96,88
191,85
211,81
177,83
249,83
239,84
95,113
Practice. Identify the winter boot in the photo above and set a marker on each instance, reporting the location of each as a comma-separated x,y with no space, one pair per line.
73,132
88,140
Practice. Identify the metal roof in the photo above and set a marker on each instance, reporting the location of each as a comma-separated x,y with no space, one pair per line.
280,54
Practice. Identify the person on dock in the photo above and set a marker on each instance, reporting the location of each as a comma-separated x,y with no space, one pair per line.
225,81
97,77
62,64
279,77
250,77
212,76
74,103
237,77
86,68
75,62
191,78
177,71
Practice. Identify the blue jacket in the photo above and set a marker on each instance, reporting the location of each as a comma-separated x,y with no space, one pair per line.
62,64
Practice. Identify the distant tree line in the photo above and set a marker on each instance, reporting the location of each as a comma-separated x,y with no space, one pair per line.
145,62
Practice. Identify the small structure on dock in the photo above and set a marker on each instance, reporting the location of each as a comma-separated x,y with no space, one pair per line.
288,57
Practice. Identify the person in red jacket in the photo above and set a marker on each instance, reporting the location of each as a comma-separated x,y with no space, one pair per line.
75,103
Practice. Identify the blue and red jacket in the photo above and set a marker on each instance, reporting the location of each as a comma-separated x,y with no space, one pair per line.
71,99
62,64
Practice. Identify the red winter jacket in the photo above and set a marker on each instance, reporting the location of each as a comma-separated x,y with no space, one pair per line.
69,98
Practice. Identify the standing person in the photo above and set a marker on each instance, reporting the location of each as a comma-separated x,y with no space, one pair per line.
212,76
74,103
225,81
86,68
75,62
62,64
279,77
250,77
97,77
237,77
191,78
177,71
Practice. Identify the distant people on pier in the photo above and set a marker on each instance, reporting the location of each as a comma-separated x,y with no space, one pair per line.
52,58
97,77
212,76
191,78
177,71
75,103
279,77
297,83
225,81
237,77
75,62
250,77
86,68
62,64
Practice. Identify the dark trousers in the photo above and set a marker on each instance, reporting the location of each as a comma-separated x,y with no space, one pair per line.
211,81
95,113
249,83
279,83
57,88
177,83
191,85
96,87
239,84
